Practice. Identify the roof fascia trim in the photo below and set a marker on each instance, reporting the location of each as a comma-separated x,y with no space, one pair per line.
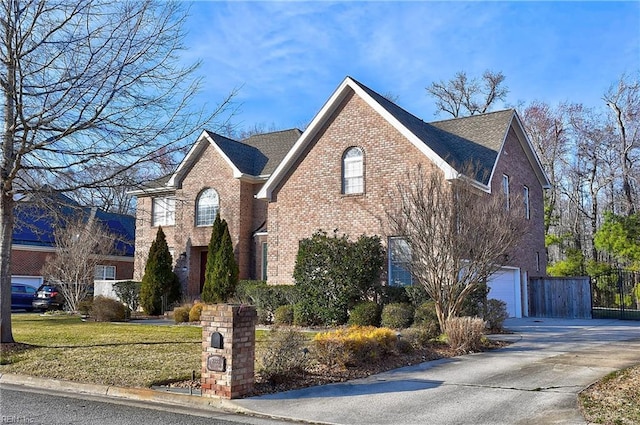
530,152
318,120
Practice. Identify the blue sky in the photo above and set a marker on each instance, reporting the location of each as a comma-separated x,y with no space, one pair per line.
287,58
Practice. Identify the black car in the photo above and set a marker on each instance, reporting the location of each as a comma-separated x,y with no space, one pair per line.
48,298
22,296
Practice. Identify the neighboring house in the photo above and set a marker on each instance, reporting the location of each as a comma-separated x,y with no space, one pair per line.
34,241
217,174
338,175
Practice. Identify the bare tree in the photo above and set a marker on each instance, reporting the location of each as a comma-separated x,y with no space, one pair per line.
83,85
462,96
456,237
81,244
623,99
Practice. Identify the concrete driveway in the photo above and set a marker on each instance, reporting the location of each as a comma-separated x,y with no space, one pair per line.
533,381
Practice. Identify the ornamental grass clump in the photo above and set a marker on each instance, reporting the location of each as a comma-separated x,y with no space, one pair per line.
196,312
354,345
464,334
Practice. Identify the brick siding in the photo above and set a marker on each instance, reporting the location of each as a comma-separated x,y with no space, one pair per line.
310,197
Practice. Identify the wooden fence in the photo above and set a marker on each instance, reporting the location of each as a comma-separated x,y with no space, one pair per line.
563,297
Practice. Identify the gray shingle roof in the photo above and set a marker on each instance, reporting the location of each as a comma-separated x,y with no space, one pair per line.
259,154
460,141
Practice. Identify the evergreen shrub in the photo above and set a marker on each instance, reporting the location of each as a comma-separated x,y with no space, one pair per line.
365,314
496,314
397,315
283,315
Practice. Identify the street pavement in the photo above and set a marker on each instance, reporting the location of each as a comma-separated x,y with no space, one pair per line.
535,380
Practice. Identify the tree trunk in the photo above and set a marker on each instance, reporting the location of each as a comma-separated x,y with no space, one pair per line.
6,236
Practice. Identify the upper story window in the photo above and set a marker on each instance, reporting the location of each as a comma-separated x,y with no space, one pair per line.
527,211
207,206
105,272
505,190
164,212
353,171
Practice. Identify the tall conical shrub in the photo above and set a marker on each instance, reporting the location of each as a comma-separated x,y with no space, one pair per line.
221,276
159,278
214,245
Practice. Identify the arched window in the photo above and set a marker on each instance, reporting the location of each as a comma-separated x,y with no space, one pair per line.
207,206
353,171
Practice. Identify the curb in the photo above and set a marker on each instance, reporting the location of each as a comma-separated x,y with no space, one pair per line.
138,394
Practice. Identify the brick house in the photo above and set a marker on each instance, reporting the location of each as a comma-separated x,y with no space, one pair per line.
338,175
34,240
217,174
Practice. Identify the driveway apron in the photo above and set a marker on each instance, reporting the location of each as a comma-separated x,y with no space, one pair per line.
535,380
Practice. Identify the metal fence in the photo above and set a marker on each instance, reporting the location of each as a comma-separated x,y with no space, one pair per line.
616,295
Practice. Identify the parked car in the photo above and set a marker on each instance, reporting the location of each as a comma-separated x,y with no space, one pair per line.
22,296
48,298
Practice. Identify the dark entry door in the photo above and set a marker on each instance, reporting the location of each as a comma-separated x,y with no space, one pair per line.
203,268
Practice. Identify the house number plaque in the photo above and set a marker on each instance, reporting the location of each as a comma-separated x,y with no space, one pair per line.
216,363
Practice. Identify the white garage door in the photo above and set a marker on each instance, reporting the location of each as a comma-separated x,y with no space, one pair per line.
505,285
34,281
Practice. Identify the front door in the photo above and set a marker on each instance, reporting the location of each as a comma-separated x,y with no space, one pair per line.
203,268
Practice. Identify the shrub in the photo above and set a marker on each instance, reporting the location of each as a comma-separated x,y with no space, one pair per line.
159,281
195,312
416,294
282,356
394,294
354,345
84,306
129,293
221,272
333,274
496,314
365,314
464,334
266,298
420,336
474,304
302,316
181,314
283,315
425,313
397,315
106,309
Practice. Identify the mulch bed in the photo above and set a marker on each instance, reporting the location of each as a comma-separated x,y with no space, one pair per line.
322,375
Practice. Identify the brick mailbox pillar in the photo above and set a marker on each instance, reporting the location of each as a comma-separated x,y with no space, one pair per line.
228,350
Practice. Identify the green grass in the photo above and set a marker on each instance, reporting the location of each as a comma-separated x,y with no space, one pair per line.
65,347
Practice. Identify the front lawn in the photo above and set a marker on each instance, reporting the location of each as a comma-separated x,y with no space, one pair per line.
121,354
615,399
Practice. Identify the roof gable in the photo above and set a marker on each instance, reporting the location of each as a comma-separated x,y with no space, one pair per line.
449,144
254,158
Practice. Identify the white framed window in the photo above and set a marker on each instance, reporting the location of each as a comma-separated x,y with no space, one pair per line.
164,211
527,212
353,171
207,206
105,273
399,253
505,190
